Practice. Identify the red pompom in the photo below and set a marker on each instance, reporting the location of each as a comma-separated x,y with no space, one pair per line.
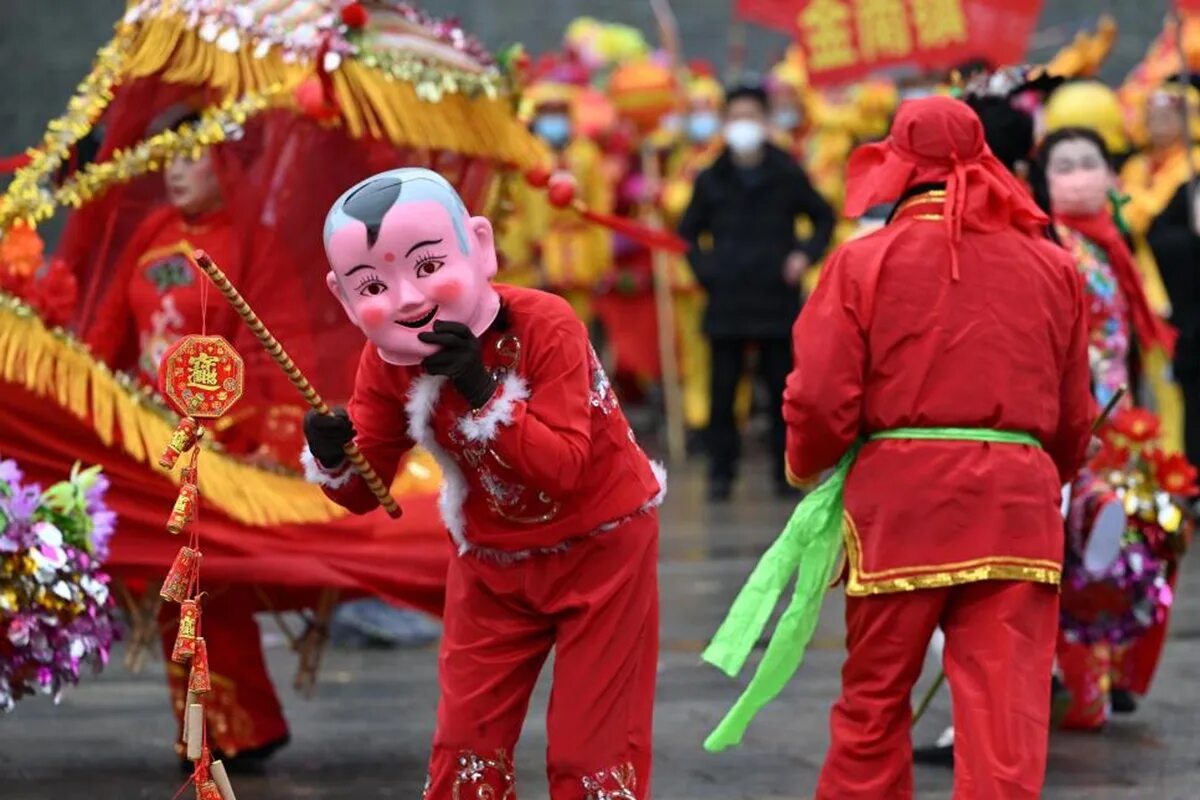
562,190
538,177
355,16
311,97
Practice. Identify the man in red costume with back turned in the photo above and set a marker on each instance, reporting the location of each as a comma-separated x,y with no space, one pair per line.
953,341
549,500
156,296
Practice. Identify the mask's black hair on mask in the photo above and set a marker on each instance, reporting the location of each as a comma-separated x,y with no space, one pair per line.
369,203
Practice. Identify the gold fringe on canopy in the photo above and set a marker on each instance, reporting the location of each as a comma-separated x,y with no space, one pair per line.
53,365
396,98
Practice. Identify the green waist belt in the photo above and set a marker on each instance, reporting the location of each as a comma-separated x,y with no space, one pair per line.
808,548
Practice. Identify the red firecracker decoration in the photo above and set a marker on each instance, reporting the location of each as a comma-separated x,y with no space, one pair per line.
187,433
184,510
178,583
198,680
189,629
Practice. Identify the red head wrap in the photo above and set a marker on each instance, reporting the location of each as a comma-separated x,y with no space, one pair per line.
940,140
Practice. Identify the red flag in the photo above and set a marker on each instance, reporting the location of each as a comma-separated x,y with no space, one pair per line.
1189,6
777,14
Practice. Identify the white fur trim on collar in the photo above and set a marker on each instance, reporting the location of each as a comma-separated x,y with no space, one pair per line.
422,399
315,472
481,425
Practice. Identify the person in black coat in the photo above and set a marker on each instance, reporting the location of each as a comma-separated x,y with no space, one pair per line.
748,202
1172,238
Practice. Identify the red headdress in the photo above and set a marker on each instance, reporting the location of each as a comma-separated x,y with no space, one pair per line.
940,140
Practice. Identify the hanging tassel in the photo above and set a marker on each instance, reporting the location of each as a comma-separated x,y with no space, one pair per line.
198,680
178,583
217,770
183,439
208,790
184,510
189,625
193,732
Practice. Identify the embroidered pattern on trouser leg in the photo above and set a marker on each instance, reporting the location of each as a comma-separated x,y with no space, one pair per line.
481,778
617,783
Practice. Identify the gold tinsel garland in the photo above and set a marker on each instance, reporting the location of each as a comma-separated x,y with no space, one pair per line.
27,196
150,155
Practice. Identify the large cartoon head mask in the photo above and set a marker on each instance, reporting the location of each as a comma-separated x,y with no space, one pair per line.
403,252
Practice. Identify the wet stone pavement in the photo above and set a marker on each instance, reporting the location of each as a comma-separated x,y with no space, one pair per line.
366,733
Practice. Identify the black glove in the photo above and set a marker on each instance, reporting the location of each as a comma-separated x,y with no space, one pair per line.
460,358
327,435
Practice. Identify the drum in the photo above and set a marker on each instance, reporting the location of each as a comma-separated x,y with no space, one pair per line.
1114,584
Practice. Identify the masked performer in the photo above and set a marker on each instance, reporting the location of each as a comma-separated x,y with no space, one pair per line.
550,502
157,296
1078,176
952,514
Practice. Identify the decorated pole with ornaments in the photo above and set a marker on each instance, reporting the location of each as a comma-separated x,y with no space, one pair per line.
280,356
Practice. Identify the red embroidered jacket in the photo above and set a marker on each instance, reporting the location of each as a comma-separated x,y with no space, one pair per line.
890,340
550,457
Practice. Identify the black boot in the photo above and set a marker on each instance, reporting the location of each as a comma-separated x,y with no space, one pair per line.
937,755
1123,701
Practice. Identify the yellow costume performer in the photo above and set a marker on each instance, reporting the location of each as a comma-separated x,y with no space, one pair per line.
551,247
1150,179
701,145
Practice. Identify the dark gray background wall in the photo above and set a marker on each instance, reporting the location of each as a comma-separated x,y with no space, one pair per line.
46,46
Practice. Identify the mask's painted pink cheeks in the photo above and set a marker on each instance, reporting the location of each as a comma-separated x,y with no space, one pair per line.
447,292
373,315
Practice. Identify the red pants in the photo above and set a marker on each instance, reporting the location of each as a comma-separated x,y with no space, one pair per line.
998,657
242,711
597,605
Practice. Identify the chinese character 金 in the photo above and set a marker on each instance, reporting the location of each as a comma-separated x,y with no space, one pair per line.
882,29
202,372
939,22
825,27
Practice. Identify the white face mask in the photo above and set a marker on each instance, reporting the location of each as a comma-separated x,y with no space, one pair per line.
745,136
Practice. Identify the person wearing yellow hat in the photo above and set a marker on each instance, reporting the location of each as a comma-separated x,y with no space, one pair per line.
1088,104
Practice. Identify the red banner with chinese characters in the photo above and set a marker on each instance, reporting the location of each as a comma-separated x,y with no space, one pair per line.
846,40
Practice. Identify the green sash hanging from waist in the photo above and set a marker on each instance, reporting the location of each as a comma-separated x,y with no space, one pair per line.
808,547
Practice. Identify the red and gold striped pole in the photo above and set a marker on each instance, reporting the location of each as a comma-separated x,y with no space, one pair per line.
272,345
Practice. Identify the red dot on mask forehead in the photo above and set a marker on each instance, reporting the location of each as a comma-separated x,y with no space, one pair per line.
389,257
448,292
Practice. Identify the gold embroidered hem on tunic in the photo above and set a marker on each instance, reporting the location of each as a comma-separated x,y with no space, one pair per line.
935,576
